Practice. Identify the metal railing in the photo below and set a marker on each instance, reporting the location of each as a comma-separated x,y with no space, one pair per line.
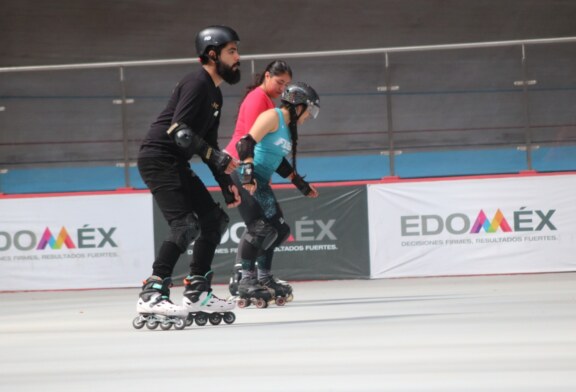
385,90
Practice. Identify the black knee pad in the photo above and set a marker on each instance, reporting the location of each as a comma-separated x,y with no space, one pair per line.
283,233
281,227
213,225
261,234
184,231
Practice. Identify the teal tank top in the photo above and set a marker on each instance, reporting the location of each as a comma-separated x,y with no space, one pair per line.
269,152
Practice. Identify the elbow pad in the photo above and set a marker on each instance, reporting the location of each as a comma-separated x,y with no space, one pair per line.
245,147
284,169
186,139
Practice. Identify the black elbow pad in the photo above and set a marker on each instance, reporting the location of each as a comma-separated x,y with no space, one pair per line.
284,169
184,137
188,140
245,147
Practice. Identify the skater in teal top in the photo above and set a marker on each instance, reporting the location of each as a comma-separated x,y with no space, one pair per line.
268,154
263,151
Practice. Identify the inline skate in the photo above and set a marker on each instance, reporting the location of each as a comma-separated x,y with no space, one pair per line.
155,308
202,306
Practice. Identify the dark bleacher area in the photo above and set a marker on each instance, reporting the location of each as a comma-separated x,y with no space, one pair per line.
449,112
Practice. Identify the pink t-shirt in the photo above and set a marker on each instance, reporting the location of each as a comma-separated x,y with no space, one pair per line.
255,103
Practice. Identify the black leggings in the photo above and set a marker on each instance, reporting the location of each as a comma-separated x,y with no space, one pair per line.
178,192
263,205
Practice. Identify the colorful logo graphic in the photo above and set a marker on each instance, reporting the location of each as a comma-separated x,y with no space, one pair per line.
459,223
62,239
81,238
482,222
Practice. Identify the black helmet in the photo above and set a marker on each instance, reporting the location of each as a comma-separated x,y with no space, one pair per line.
299,93
214,36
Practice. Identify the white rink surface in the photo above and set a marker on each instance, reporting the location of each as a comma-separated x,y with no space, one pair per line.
490,333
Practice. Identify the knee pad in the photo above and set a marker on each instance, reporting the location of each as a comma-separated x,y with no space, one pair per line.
282,229
213,225
184,231
283,233
261,234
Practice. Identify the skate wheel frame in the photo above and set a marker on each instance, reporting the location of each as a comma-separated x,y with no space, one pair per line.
152,322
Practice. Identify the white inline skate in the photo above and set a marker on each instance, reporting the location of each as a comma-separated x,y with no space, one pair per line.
155,308
202,305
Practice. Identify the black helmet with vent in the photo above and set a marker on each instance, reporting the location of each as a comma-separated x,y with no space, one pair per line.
214,36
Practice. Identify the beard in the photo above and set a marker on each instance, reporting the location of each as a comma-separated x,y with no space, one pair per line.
227,73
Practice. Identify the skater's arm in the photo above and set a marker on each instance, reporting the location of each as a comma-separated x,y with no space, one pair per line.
185,138
286,170
303,186
265,123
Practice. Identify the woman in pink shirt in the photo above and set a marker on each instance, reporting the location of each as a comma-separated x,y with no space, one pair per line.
269,85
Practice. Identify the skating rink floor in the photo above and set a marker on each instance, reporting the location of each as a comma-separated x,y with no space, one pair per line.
489,333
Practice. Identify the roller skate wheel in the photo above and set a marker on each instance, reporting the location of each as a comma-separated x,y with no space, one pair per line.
289,298
229,317
152,324
180,324
215,318
138,322
261,304
189,320
242,303
280,301
166,325
201,319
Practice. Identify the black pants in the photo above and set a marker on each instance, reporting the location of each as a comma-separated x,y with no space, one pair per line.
262,205
178,192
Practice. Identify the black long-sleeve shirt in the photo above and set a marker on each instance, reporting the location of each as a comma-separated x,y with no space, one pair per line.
197,102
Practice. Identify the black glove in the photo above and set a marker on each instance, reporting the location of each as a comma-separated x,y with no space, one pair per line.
225,183
247,174
216,158
302,185
229,196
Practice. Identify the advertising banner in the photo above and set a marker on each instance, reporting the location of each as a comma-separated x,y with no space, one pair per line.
328,240
71,242
465,227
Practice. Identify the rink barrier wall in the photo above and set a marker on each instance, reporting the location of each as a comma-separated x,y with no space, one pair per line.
372,167
352,231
